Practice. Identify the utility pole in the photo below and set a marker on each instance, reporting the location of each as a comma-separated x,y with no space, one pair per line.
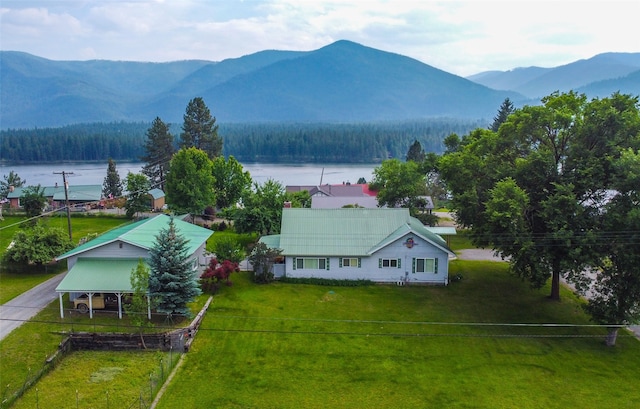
66,198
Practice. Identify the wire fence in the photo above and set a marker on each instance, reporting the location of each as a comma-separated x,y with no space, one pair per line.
84,397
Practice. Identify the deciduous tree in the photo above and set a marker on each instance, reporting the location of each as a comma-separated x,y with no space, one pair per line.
398,183
262,209
39,244
140,301
137,194
262,259
614,297
33,200
190,182
230,181
533,191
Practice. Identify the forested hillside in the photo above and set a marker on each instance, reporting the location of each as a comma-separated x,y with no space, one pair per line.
269,142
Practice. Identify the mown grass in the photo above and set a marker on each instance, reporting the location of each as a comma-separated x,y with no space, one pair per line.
286,346
292,346
100,379
24,351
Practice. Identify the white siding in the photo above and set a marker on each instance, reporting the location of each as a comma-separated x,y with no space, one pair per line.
370,270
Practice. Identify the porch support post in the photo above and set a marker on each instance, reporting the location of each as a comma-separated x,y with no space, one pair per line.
90,305
119,295
61,305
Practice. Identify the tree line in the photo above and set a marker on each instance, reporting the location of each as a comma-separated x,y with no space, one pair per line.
247,142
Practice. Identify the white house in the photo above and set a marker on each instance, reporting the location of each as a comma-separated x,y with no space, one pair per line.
104,264
381,245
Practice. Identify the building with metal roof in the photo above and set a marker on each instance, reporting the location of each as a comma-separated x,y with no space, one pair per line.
78,195
381,245
104,264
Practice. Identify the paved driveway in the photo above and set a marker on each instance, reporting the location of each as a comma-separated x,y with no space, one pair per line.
28,304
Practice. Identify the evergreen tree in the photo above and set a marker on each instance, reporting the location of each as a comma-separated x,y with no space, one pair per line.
172,281
416,153
12,179
505,110
112,185
158,152
200,129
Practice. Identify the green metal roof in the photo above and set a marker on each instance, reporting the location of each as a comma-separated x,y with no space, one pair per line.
156,193
80,193
143,234
272,241
355,232
106,275
76,192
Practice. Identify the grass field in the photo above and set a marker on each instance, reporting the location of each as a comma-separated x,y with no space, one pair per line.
292,346
14,283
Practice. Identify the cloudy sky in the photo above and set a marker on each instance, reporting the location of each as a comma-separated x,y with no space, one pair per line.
462,38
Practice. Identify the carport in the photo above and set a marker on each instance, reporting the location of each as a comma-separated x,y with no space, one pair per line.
98,275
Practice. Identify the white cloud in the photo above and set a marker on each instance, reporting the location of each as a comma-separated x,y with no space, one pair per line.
459,37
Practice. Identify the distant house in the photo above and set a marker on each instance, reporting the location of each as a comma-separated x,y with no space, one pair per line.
80,196
337,196
104,264
381,245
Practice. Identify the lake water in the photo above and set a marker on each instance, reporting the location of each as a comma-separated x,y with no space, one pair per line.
82,173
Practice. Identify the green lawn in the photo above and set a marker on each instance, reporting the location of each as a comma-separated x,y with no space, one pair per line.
103,379
292,346
14,283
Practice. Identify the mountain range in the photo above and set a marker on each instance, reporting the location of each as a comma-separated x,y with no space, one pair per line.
341,82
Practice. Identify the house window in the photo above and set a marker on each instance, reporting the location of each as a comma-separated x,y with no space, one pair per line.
311,263
425,265
389,263
350,262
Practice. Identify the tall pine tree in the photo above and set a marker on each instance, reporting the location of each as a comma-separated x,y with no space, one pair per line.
112,185
200,129
172,281
505,110
416,153
158,152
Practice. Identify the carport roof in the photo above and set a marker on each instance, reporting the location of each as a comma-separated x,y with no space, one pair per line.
103,275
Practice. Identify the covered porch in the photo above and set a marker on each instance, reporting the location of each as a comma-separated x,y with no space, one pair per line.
98,275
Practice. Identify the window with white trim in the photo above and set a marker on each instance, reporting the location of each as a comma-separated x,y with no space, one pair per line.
425,265
350,262
311,263
389,263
